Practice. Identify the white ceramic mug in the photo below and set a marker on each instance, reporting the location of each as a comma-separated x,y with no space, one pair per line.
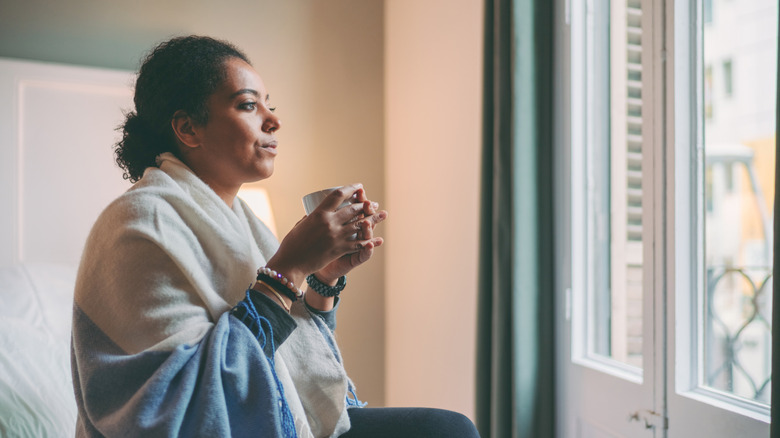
314,199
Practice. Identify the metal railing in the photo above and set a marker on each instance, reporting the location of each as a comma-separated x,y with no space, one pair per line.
738,330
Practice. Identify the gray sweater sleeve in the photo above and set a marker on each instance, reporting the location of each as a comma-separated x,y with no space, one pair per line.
328,316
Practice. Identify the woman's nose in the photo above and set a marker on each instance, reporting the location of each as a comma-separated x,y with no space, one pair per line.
271,123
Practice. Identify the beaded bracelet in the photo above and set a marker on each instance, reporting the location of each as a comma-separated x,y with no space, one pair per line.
326,290
281,282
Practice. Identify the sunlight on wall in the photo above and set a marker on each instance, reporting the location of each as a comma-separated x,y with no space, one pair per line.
432,151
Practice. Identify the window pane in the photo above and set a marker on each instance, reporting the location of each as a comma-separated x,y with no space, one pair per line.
615,183
599,313
740,37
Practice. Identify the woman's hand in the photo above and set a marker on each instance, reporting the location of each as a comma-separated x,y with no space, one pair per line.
341,266
326,235
365,236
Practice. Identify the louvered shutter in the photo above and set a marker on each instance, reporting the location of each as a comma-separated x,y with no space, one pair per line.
626,181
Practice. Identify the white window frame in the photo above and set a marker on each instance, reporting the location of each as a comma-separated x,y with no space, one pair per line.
583,142
685,194
672,126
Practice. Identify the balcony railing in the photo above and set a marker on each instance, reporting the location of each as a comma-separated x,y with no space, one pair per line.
738,331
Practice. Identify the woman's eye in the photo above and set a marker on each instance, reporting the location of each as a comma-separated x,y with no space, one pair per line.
248,106
272,109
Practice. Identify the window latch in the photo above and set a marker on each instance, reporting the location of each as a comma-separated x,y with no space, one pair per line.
651,419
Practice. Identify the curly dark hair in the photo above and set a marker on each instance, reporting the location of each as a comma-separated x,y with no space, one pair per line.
178,74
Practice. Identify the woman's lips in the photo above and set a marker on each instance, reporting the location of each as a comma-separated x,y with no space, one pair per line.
270,147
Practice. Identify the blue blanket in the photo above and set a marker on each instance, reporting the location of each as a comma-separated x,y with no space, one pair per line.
221,386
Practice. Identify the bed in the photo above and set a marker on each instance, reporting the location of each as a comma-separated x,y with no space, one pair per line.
36,396
55,120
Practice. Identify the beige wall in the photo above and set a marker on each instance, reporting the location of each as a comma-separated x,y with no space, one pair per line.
433,66
322,62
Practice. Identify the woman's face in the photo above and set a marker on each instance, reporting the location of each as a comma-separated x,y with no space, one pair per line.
237,143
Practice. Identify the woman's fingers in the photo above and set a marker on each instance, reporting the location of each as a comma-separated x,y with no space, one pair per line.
360,195
367,230
370,208
349,214
372,221
377,218
360,245
365,253
362,228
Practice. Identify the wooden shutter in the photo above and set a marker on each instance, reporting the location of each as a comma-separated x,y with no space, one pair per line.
626,180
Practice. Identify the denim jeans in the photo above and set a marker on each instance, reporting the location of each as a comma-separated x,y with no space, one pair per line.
409,423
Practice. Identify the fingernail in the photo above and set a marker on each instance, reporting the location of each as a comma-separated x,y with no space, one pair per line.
375,204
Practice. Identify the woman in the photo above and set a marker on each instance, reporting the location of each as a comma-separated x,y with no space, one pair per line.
189,319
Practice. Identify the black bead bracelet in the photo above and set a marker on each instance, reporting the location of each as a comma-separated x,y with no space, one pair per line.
324,289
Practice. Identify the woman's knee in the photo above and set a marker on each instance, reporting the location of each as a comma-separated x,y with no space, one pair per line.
410,423
454,424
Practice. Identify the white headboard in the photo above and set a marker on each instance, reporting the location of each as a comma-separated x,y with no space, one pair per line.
57,128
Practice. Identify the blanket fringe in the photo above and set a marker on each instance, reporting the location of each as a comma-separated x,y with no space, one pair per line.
288,422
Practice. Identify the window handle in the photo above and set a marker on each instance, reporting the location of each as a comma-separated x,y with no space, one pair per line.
651,419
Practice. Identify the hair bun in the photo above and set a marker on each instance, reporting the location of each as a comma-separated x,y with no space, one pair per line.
139,147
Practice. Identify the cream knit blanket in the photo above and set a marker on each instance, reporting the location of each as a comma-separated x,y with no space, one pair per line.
168,258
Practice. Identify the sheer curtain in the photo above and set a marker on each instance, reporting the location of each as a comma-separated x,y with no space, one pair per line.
515,365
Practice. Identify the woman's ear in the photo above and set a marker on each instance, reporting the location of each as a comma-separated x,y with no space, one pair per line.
184,129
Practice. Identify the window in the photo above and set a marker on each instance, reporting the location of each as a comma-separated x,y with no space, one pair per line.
728,79
613,215
672,168
708,92
736,225
707,11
